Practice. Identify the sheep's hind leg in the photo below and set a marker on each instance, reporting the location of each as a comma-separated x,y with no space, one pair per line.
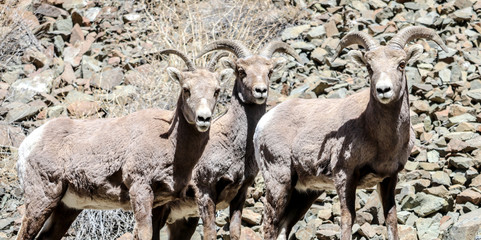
40,202
159,217
142,198
278,194
59,222
299,204
183,229
387,194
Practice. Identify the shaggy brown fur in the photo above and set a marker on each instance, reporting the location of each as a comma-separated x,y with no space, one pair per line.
227,167
305,146
136,162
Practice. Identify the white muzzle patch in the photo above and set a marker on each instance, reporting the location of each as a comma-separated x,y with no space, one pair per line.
203,116
384,88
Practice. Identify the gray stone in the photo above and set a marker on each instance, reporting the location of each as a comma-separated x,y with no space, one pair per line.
90,66
461,163
462,118
440,178
425,204
328,231
23,90
475,95
303,46
10,136
468,226
11,76
319,55
294,32
131,17
445,75
316,32
428,19
464,14
77,4
74,96
428,228
251,217
412,5
108,79
22,112
63,26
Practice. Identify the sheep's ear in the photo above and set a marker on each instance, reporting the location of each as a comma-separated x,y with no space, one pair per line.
278,62
357,57
175,74
228,62
226,74
413,53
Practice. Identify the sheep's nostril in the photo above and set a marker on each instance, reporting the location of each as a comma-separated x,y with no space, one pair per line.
203,119
383,89
260,89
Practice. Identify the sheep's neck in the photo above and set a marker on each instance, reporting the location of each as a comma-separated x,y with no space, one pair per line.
188,143
243,121
389,124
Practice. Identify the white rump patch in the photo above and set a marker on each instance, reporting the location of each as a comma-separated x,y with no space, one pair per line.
184,211
24,150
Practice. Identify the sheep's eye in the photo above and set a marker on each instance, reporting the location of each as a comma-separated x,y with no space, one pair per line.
402,65
186,91
270,73
216,93
242,72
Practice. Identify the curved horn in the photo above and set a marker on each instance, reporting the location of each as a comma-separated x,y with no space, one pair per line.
236,47
278,46
188,62
360,38
413,32
215,60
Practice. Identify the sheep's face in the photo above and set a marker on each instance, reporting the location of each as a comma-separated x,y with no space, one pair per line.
386,67
253,74
200,90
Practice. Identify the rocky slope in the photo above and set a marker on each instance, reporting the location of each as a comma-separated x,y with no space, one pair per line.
87,59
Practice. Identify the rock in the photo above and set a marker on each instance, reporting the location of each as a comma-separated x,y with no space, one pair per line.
23,90
428,228
476,182
10,136
407,233
108,79
367,230
251,217
63,26
324,213
440,178
131,17
439,191
428,19
303,46
90,66
294,32
77,35
425,204
445,75
464,14
468,226
331,29
469,195
249,234
475,95
462,163
316,32
305,234
22,112
50,11
328,231
319,55
81,109
77,4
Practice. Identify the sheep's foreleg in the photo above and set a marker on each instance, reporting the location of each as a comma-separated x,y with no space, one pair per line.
346,189
387,194
142,198
59,222
235,208
207,213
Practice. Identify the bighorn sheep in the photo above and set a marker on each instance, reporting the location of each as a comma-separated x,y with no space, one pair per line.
304,146
136,162
227,167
